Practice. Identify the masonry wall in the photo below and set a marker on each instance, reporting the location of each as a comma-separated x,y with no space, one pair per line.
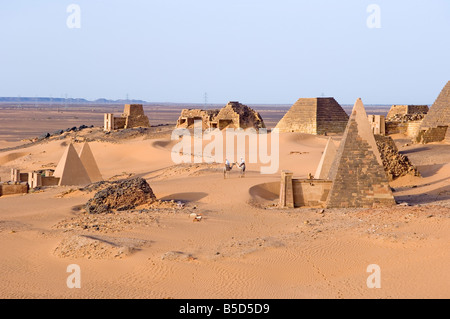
300,118
378,124
13,189
418,109
49,181
310,193
435,134
119,123
227,117
410,129
331,117
407,109
189,116
439,114
135,116
303,193
357,159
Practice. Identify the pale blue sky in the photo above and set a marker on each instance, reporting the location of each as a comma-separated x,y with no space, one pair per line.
253,51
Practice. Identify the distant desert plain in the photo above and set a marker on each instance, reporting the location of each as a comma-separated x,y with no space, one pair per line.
244,246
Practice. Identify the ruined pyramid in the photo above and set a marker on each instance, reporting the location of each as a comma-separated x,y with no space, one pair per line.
70,169
314,116
88,160
326,161
357,172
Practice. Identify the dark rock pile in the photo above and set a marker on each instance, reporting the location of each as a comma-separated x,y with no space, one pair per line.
404,118
121,195
395,164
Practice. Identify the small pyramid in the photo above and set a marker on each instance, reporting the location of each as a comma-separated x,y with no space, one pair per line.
358,176
88,160
439,113
325,162
70,169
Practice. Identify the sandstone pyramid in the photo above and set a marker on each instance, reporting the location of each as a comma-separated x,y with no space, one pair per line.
71,170
314,116
439,113
326,161
358,176
88,160
438,116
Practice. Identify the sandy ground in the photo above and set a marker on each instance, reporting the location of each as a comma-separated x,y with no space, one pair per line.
242,248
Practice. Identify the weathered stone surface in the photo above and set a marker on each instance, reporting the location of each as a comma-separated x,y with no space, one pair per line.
133,116
358,176
432,134
400,111
314,116
435,124
122,195
234,115
395,164
189,116
439,113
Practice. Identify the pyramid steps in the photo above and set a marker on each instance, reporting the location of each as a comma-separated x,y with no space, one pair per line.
314,116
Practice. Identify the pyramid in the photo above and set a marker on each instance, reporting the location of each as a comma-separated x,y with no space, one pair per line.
314,116
358,176
88,160
325,162
439,113
71,170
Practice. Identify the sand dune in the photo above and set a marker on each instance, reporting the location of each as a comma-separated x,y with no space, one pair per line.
241,248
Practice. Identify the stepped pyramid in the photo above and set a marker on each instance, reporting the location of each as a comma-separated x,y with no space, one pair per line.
358,176
439,113
88,160
326,161
314,116
71,170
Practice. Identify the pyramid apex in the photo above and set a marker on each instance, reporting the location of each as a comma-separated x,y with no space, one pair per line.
70,169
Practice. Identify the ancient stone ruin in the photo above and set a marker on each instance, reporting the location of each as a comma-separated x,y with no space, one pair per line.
234,115
319,116
356,177
189,116
378,124
72,170
122,195
399,113
133,116
434,127
405,119
395,164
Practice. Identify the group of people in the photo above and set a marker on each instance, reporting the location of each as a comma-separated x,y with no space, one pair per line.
241,166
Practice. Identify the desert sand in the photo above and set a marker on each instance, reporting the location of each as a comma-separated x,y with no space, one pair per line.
244,246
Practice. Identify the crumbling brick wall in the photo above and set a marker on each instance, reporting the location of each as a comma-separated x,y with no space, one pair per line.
189,116
395,164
